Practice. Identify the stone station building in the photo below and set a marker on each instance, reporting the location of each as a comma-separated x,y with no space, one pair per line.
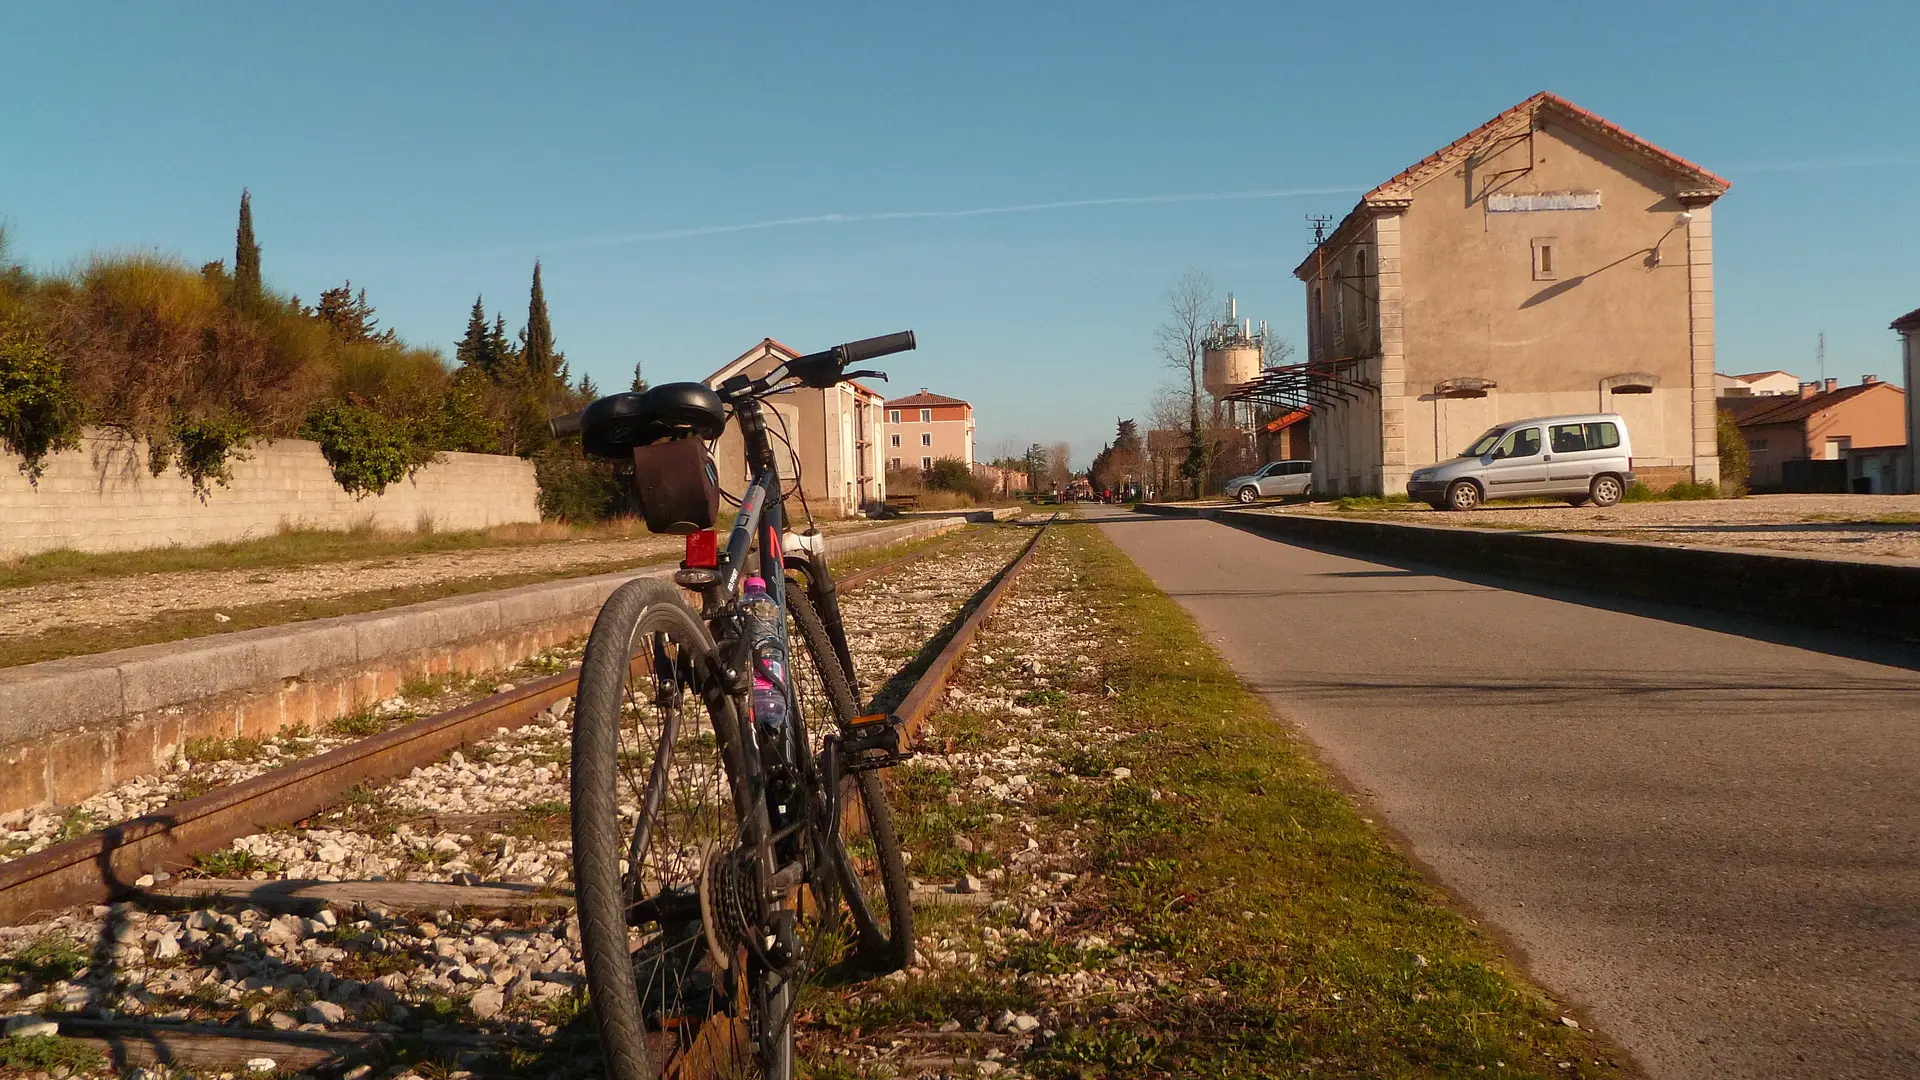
1546,262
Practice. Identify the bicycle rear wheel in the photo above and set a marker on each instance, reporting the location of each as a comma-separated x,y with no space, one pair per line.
653,809
873,886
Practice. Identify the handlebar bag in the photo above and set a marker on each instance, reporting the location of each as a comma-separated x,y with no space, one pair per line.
675,485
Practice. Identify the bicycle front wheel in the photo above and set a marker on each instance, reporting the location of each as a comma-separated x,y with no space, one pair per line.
865,854
653,814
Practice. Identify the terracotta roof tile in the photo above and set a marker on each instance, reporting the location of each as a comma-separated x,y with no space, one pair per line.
1413,174
1909,321
921,400
1402,184
1792,410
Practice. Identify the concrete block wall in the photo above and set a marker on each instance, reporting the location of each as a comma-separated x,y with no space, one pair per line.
100,496
71,728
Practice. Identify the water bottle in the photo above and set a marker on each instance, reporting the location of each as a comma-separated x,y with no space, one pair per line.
769,655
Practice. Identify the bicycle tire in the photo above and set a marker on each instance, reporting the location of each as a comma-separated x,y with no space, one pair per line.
884,944
641,613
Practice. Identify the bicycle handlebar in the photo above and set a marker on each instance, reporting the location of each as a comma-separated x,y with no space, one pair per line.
821,369
869,348
562,426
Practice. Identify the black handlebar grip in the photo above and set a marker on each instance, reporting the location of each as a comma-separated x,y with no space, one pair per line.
562,426
867,348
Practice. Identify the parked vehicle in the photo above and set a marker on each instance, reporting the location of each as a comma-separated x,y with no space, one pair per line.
1582,458
1275,478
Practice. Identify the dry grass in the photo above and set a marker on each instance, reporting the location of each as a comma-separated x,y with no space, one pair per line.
199,622
297,546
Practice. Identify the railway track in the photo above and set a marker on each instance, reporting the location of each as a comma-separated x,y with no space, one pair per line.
122,862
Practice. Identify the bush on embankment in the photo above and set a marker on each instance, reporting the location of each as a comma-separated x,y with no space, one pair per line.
200,363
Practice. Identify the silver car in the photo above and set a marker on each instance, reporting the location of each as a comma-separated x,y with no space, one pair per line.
1582,458
1274,479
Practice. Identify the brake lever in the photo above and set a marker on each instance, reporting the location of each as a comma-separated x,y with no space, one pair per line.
881,375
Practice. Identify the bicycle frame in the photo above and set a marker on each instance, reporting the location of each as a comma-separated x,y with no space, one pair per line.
760,525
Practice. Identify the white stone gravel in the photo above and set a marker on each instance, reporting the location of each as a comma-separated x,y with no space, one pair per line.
386,971
1034,686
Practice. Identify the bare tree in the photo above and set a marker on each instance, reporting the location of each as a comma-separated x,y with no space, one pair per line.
1190,304
1059,464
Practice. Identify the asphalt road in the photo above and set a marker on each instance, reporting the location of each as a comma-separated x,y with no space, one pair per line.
1700,830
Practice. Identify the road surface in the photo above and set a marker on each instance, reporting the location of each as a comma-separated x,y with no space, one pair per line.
1699,829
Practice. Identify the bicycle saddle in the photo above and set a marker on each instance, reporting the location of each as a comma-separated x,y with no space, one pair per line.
612,426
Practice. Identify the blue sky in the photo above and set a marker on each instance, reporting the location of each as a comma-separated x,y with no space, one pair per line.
431,152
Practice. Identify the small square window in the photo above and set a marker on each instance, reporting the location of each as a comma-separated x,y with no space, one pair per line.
894,464
926,416
926,463
926,438
893,416
896,439
1546,258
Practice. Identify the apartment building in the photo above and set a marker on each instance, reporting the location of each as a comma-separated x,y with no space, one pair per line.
923,428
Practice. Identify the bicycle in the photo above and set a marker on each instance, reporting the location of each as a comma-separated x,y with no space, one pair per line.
723,858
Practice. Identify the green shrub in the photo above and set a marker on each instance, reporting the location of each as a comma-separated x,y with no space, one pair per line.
39,409
1736,464
204,448
1684,491
366,450
952,474
576,488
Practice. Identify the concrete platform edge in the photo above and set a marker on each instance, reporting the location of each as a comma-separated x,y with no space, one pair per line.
1877,597
70,728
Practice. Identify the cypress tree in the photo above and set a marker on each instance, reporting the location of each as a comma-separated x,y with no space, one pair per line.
246,253
639,379
537,351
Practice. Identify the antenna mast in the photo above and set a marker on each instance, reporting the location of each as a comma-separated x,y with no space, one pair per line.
1820,354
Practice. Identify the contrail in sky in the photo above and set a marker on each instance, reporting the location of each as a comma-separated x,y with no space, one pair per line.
1826,165
978,211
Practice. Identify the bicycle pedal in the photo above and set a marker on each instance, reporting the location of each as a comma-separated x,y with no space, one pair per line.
874,742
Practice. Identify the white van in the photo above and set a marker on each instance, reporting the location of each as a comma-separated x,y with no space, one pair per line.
1582,458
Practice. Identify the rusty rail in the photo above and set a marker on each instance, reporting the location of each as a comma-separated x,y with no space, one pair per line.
701,1059
104,864
919,702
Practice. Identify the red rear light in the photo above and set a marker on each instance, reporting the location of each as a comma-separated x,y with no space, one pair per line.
703,550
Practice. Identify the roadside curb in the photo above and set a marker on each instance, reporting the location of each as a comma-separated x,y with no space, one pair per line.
74,727
1868,596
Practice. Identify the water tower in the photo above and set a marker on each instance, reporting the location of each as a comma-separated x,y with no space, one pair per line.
1233,350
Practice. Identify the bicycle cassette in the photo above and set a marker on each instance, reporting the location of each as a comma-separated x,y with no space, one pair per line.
726,902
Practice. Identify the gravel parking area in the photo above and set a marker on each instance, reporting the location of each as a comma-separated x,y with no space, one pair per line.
1876,525
34,609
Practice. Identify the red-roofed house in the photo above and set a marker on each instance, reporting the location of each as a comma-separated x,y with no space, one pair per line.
1546,262
922,428
1823,422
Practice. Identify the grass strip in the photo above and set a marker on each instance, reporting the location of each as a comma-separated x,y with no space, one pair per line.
199,622
294,547
1287,936
1341,960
